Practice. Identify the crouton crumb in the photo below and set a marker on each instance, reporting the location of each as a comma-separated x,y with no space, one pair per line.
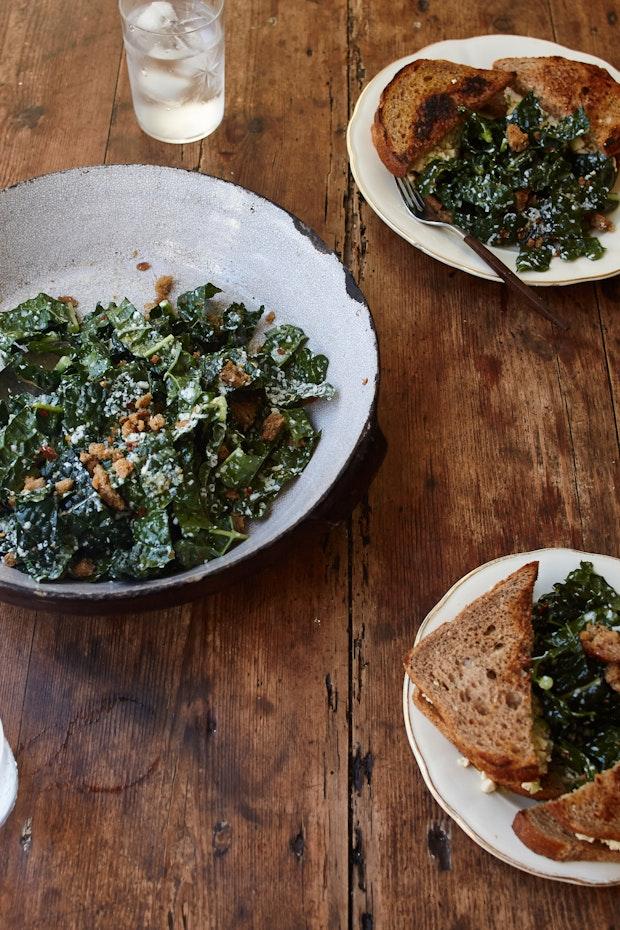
163,286
101,484
100,451
244,410
612,676
64,486
157,422
238,522
10,559
233,375
123,467
517,139
33,484
134,423
143,402
88,461
601,222
600,642
83,569
272,426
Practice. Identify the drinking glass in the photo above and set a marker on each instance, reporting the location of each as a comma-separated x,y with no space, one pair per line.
175,59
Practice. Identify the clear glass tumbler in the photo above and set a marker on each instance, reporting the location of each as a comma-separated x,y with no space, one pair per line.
175,59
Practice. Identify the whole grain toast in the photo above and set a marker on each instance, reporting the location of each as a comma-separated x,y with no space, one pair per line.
593,811
550,786
542,833
420,106
563,85
473,677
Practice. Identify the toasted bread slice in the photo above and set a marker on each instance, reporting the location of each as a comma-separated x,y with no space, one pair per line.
563,85
593,809
557,829
550,787
420,106
475,685
542,833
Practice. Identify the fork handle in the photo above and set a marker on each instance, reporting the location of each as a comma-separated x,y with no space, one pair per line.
511,279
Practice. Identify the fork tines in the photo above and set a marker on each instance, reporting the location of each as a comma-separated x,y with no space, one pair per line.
413,199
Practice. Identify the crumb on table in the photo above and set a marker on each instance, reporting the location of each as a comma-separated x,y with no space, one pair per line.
163,286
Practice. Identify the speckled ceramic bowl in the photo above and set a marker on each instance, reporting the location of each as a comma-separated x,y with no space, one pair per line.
82,232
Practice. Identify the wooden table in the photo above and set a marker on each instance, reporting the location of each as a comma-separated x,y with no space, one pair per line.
242,762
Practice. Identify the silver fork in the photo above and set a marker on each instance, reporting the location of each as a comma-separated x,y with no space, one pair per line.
424,213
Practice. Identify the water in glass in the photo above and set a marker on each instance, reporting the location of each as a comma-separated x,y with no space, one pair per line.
175,58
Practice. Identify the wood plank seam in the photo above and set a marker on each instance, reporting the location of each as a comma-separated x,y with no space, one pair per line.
607,363
121,58
354,257
573,452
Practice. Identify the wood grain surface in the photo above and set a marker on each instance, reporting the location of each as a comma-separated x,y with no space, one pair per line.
242,762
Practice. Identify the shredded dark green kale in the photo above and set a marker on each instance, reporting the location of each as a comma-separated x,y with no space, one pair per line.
579,706
134,445
522,180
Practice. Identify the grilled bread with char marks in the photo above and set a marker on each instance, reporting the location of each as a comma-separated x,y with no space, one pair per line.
420,107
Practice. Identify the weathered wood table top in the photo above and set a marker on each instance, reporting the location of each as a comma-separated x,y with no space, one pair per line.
242,762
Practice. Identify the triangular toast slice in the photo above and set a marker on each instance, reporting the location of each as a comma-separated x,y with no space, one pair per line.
474,682
578,825
593,809
420,107
563,85
550,786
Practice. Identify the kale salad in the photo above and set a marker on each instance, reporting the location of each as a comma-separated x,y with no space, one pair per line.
134,444
526,180
576,632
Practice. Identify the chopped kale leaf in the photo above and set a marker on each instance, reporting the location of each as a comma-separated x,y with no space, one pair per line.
137,444
538,192
579,706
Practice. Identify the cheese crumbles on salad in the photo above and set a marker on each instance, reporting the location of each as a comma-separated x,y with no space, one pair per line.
136,444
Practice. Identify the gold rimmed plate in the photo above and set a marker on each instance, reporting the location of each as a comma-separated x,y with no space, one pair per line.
378,187
487,818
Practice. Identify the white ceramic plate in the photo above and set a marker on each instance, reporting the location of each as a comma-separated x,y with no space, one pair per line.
378,187
487,818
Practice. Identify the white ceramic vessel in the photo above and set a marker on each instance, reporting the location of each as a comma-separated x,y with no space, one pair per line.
82,232
487,818
378,187
8,778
